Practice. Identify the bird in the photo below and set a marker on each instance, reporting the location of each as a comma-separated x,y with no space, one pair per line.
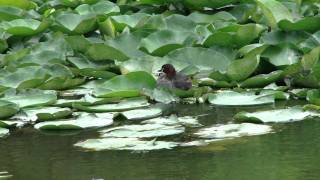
168,77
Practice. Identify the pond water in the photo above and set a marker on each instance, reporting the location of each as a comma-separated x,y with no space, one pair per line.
293,152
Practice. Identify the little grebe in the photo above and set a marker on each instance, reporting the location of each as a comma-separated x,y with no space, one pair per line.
169,78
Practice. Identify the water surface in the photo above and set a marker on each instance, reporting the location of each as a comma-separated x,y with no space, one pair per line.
293,152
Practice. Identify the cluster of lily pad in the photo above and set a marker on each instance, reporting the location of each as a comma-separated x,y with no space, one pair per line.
79,64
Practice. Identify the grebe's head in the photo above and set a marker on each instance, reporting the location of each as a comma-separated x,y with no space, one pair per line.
169,70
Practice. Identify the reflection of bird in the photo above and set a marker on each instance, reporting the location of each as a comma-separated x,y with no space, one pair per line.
168,77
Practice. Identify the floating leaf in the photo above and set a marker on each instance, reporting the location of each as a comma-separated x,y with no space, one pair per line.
231,98
142,131
241,69
42,114
124,105
133,144
4,132
30,97
279,115
84,121
173,120
262,80
7,109
24,27
313,96
202,58
162,42
139,114
281,55
129,85
311,24
274,11
233,131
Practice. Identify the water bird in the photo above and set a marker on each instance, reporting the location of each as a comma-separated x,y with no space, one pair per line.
170,78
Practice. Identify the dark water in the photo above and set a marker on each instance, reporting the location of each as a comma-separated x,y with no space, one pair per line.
292,153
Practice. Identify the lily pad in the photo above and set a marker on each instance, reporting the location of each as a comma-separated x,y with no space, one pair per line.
11,124
124,105
30,97
279,115
262,80
84,121
133,144
232,98
139,114
162,42
43,114
7,109
24,27
4,132
233,131
142,131
173,120
241,69
129,85
313,96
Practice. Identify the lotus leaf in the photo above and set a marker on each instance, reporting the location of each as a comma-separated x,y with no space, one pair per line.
24,27
7,109
4,132
42,114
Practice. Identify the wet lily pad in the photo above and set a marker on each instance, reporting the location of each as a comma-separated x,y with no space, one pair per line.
233,131
232,98
129,85
84,121
139,114
4,132
30,97
142,131
11,124
8,109
24,27
279,115
133,144
124,105
174,120
43,114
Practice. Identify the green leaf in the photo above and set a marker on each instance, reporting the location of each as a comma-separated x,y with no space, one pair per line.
262,80
23,4
30,97
127,104
142,131
312,42
231,98
27,77
277,116
233,130
132,144
162,42
7,109
9,13
139,114
84,121
121,48
234,35
4,132
105,8
241,69
43,114
24,27
310,24
313,96
74,23
202,58
200,4
274,11
281,55
122,21
211,18
129,85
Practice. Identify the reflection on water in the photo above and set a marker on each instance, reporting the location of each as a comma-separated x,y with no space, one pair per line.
291,153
